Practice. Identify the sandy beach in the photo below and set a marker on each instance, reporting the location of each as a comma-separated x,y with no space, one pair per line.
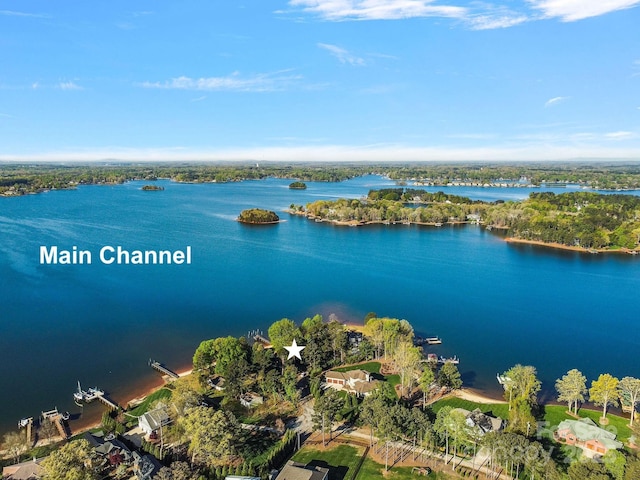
571,248
476,396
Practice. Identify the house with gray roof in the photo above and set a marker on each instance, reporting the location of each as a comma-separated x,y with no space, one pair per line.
151,421
299,471
588,436
483,422
109,448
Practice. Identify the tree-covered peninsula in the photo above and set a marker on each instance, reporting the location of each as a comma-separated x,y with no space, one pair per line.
258,216
583,220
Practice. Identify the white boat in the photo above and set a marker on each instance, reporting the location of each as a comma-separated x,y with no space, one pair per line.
23,422
87,396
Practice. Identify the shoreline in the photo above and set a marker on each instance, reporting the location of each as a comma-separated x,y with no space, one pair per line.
571,248
360,223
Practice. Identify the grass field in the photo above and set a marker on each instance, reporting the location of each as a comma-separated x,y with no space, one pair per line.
371,367
146,403
342,460
371,469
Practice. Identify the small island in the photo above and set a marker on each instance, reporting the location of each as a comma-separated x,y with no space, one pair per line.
152,188
298,186
258,216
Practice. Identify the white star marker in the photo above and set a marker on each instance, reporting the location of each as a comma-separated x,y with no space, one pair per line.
294,350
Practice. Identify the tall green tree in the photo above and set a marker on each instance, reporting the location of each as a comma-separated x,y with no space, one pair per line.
74,461
289,381
427,377
521,382
407,360
588,470
615,462
629,393
213,435
373,410
449,376
604,391
572,388
325,411
282,333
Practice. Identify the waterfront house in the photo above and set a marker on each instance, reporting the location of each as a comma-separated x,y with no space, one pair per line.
588,436
251,400
151,421
299,471
483,422
358,382
29,470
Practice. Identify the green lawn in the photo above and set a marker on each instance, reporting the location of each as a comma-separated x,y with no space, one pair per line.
371,367
146,403
371,469
341,459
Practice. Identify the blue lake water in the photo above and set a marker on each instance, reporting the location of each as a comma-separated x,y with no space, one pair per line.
493,304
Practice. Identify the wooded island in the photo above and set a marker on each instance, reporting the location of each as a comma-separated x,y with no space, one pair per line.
258,216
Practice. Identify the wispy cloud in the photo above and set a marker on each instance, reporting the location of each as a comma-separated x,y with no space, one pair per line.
475,15
572,10
262,82
554,101
343,56
68,86
490,17
339,10
198,99
621,135
5,115
13,13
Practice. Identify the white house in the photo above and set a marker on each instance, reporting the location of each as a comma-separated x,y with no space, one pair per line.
152,421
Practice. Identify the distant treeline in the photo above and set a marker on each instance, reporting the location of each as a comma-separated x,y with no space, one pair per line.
20,179
583,219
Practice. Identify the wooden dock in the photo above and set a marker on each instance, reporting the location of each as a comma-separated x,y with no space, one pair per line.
27,424
162,369
418,341
106,401
257,336
56,418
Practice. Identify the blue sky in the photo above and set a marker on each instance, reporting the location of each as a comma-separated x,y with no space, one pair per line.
319,80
